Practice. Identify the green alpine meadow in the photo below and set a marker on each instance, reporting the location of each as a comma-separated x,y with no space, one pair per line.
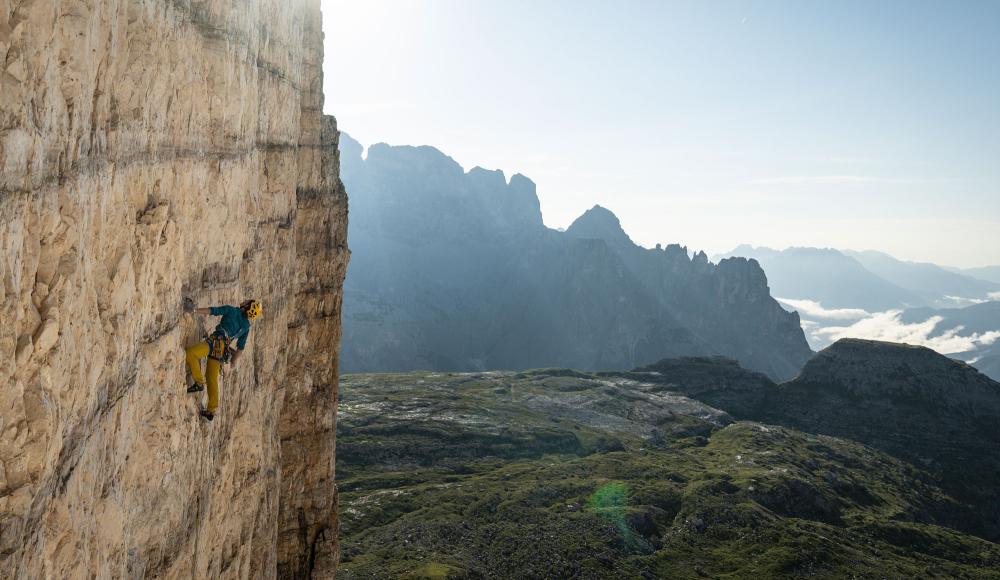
554,473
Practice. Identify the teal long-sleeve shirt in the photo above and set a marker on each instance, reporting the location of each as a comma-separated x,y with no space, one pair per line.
234,323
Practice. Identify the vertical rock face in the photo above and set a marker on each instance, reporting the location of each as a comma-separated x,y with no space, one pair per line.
307,518
149,151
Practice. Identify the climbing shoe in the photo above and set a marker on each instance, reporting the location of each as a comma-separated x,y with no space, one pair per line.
196,388
208,415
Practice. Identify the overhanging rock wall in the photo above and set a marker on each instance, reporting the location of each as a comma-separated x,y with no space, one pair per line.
151,150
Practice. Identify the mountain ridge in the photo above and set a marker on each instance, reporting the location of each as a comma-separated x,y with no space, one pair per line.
828,276
492,288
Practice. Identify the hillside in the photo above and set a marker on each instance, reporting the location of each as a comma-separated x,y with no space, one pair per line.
919,406
558,473
455,271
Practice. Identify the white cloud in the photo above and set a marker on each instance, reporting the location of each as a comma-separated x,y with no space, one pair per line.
962,301
814,309
889,327
994,295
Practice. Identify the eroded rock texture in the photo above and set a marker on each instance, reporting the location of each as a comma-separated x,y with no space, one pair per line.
151,150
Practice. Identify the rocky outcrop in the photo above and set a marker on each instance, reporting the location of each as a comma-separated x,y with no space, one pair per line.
915,375
455,270
718,381
150,151
599,223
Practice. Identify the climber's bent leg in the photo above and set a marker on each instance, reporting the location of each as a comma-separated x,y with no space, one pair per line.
212,369
195,353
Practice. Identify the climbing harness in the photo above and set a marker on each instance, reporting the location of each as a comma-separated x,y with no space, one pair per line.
218,346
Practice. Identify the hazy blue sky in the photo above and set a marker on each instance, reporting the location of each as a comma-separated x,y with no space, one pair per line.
847,124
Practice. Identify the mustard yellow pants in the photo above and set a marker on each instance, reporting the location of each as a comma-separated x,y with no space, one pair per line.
194,355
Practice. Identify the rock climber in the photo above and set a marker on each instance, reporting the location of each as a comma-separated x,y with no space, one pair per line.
218,348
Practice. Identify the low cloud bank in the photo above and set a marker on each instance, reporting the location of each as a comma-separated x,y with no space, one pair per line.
961,301
887,326
813,309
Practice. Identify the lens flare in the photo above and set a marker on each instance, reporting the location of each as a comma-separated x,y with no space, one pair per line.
610,501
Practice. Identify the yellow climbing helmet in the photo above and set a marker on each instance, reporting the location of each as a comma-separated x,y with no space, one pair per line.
252,309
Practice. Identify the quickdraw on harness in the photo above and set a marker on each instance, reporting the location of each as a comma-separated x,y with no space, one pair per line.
218,346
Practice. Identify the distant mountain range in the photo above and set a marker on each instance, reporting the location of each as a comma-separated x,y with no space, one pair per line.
841,294
830,277
935,285
871,280
989,364
989,273
454,270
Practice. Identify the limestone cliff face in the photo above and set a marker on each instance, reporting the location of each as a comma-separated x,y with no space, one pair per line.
152,150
